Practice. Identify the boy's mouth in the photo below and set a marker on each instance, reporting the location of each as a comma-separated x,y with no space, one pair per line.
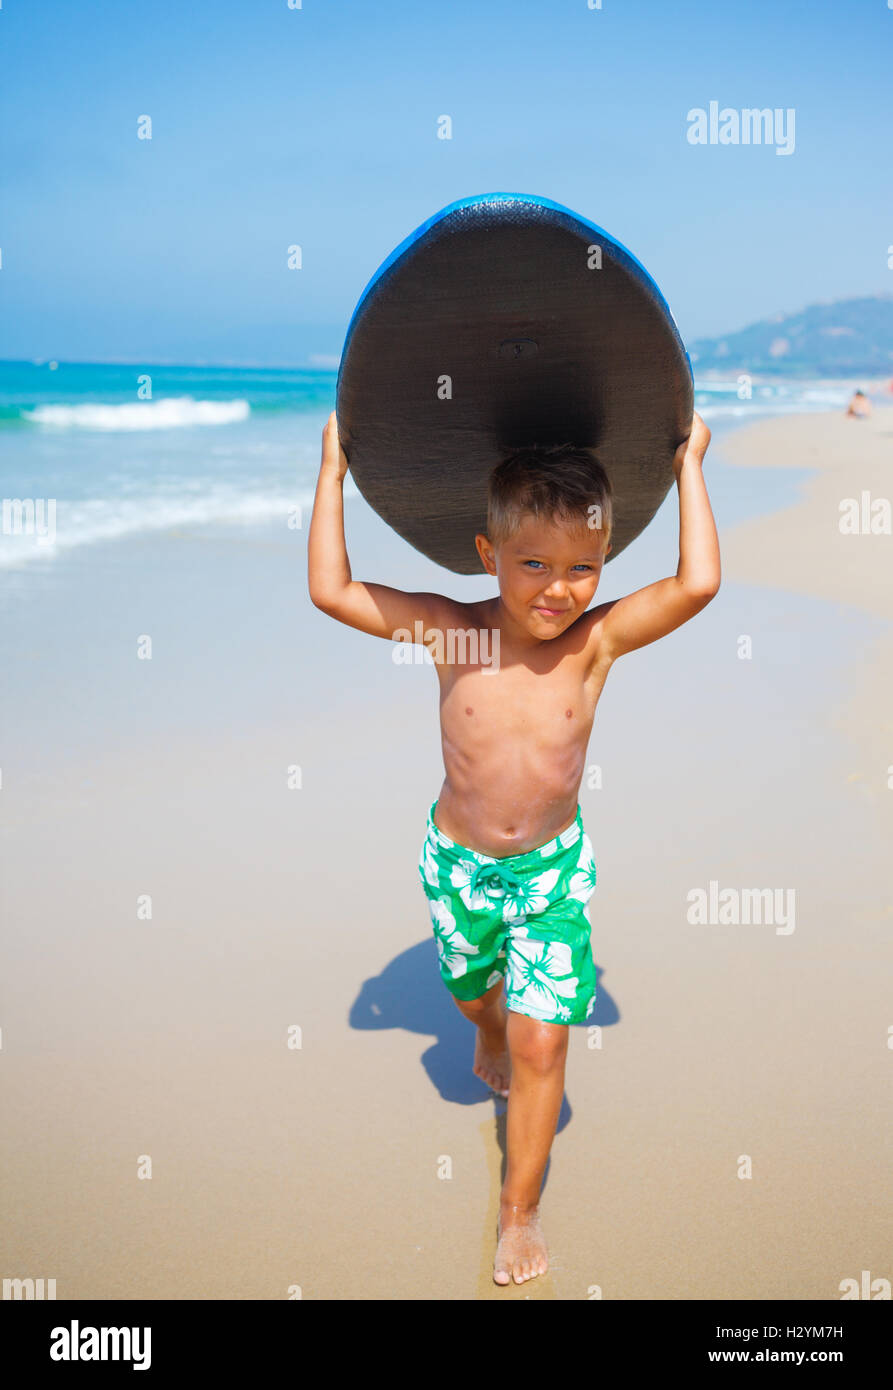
551,612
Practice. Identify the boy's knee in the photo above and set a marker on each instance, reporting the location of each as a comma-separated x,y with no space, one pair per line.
539,1046
472,1008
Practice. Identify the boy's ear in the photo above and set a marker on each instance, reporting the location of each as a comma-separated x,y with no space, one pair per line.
486,552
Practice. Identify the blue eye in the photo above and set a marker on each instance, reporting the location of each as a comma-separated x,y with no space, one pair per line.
539,564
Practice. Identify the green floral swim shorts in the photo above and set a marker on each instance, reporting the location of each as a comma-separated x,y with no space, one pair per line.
522,918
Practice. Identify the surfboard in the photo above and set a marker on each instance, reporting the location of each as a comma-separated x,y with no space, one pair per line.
503,321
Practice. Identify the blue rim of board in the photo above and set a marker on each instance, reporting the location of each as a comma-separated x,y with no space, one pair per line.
478,198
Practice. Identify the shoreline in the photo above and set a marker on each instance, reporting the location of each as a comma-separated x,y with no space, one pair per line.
802,546
183,515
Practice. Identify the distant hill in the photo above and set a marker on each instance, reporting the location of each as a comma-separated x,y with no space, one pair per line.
846,338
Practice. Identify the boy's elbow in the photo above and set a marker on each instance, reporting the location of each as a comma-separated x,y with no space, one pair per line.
700,591
324,601
707,588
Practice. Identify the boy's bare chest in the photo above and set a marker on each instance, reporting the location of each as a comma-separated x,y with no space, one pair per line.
555,702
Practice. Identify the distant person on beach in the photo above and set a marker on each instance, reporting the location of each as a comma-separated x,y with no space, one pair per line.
505,863
859,406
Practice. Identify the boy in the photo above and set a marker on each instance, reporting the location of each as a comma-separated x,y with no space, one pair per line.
505,864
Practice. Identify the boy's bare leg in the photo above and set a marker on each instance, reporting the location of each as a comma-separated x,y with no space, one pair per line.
491,1058
538,1053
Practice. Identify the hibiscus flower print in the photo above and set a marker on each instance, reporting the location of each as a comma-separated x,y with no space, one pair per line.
540,977
489,887
452,947
464,877
530,897
428,865
582,883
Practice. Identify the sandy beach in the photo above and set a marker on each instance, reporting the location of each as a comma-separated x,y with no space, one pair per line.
805,550
275,1038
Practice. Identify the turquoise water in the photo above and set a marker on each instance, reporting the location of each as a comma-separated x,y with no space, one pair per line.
121,450
29,387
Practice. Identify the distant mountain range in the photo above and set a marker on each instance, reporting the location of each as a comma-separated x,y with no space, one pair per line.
846,338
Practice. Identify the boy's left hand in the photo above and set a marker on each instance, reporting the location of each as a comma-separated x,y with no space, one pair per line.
624,624
695,446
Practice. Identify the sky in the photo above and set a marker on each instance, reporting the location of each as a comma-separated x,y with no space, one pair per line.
318,127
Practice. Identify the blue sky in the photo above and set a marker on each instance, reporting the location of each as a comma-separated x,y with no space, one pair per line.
317,126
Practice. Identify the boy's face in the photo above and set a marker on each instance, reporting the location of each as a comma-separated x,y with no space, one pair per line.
547,572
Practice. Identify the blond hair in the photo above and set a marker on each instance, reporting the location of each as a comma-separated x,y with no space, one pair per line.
548,482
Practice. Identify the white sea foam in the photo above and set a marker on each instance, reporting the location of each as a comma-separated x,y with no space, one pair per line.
771,398
777,398
754,412
175,412
80,523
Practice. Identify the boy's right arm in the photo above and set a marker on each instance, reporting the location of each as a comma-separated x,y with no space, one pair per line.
373,608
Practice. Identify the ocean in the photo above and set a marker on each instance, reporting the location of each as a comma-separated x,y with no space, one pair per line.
107,451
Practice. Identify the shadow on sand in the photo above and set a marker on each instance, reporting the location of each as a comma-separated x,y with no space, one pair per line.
409,994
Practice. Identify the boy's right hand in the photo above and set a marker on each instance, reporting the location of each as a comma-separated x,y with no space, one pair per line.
334,458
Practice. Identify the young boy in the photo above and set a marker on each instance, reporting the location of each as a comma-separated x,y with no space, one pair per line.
505,864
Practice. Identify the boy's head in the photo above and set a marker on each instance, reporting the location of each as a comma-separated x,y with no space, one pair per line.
548,532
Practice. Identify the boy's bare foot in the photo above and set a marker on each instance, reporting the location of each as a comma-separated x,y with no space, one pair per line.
521,1250
492,1062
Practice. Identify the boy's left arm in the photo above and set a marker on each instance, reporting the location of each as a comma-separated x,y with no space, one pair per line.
642,617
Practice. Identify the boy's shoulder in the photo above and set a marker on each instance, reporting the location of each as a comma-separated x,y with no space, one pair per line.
586,636
455,613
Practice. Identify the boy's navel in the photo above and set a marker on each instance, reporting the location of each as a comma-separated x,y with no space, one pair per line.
568,714
468,709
